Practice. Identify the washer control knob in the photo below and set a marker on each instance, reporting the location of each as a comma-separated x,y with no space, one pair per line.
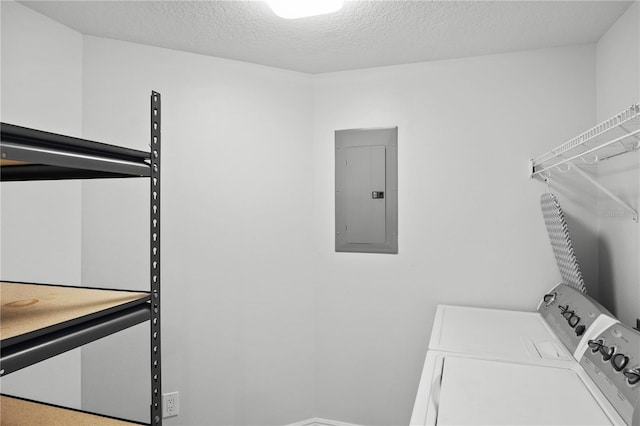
549,298
595,345
580,330
619,361
573,321
607,352
632,375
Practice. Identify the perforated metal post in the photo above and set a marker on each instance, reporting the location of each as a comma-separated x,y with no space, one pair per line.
156,369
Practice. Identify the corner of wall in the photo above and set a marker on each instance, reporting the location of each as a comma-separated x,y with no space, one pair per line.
41,88
618,87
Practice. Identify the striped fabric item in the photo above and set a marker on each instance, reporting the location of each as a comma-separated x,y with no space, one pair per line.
561,242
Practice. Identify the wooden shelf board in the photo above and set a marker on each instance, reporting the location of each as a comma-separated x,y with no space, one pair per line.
27,308
4,163
18,412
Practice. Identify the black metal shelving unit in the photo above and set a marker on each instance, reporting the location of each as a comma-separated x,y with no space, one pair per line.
32,155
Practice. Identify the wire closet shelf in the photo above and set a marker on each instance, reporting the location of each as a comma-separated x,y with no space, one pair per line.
616,136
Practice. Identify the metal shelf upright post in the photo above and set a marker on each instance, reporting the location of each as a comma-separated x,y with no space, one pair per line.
156,369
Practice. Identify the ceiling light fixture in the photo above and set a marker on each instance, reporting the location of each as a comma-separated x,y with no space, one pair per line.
294,9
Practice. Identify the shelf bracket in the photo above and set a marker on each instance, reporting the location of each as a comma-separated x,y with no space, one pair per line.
531,169
634,212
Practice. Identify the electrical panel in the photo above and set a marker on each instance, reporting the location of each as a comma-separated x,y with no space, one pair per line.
366,190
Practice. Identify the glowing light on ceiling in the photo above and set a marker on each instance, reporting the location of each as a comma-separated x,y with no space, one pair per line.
294,9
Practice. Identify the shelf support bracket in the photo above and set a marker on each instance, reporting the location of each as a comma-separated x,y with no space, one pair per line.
634,212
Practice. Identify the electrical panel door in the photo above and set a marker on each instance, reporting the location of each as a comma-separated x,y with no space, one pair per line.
366,190
364,195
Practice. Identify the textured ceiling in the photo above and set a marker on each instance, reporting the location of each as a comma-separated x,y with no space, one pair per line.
363,34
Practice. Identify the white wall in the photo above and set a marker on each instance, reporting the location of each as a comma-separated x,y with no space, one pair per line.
470,227
262,322
237,260
618,87
40,237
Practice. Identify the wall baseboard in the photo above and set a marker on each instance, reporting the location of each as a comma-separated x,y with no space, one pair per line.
321,422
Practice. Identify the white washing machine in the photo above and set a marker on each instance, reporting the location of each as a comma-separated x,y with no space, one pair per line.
487,366
559,330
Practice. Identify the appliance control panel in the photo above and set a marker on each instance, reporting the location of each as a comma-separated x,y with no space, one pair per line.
570,314
612,360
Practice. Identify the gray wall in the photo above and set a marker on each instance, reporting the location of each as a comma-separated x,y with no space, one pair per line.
40,238
618,86
237,258
263,322
470,227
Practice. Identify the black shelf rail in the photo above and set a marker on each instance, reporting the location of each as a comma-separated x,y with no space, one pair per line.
30,154
43,346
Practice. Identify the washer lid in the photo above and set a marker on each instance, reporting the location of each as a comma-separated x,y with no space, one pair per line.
483,392
496,334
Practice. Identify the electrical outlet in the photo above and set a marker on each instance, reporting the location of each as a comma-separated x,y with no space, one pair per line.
170,404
